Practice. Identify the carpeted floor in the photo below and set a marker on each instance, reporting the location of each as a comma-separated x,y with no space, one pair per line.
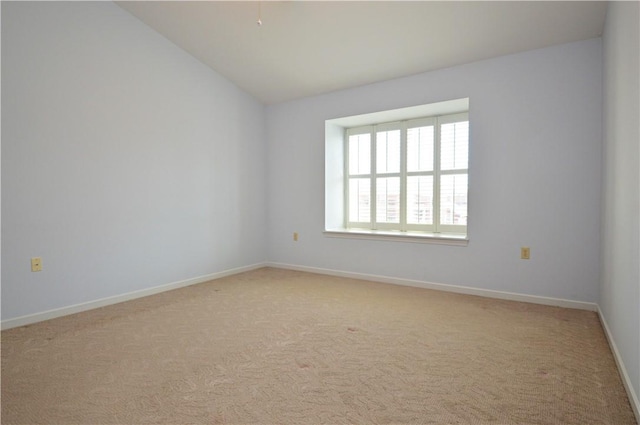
283,347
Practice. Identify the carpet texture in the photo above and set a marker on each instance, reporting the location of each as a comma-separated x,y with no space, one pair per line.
284,347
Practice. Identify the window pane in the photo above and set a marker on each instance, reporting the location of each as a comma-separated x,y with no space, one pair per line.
388,200
454,146
420,200
360,154
420,149
388,151
453,199
360,200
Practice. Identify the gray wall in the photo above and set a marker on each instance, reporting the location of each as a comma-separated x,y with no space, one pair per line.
126,163
535,176
620,287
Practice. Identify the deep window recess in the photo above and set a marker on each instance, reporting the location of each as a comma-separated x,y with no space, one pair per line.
408,176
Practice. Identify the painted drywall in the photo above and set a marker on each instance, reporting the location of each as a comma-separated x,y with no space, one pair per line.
535,170
620,287
126,163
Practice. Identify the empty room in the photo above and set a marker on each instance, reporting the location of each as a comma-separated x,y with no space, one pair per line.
320,212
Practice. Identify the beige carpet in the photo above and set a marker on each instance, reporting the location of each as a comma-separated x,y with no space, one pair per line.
282,347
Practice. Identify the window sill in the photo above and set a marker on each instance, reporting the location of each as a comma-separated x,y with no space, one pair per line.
413,237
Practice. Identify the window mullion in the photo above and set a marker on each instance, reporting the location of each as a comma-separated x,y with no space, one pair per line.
374,177
403,176
346,179
436,177
454,171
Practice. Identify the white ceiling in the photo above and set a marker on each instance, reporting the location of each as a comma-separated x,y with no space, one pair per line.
307,48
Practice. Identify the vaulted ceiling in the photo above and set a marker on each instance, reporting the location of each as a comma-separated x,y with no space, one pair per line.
307,48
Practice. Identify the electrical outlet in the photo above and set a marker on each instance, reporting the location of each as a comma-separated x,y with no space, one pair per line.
36,264
295,236
525,253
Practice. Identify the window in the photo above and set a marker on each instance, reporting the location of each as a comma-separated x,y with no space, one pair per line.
409,175
399,174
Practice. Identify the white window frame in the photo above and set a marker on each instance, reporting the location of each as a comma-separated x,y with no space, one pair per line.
337,132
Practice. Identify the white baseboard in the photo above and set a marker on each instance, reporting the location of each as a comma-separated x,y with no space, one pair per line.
558,302
77,308
626,380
